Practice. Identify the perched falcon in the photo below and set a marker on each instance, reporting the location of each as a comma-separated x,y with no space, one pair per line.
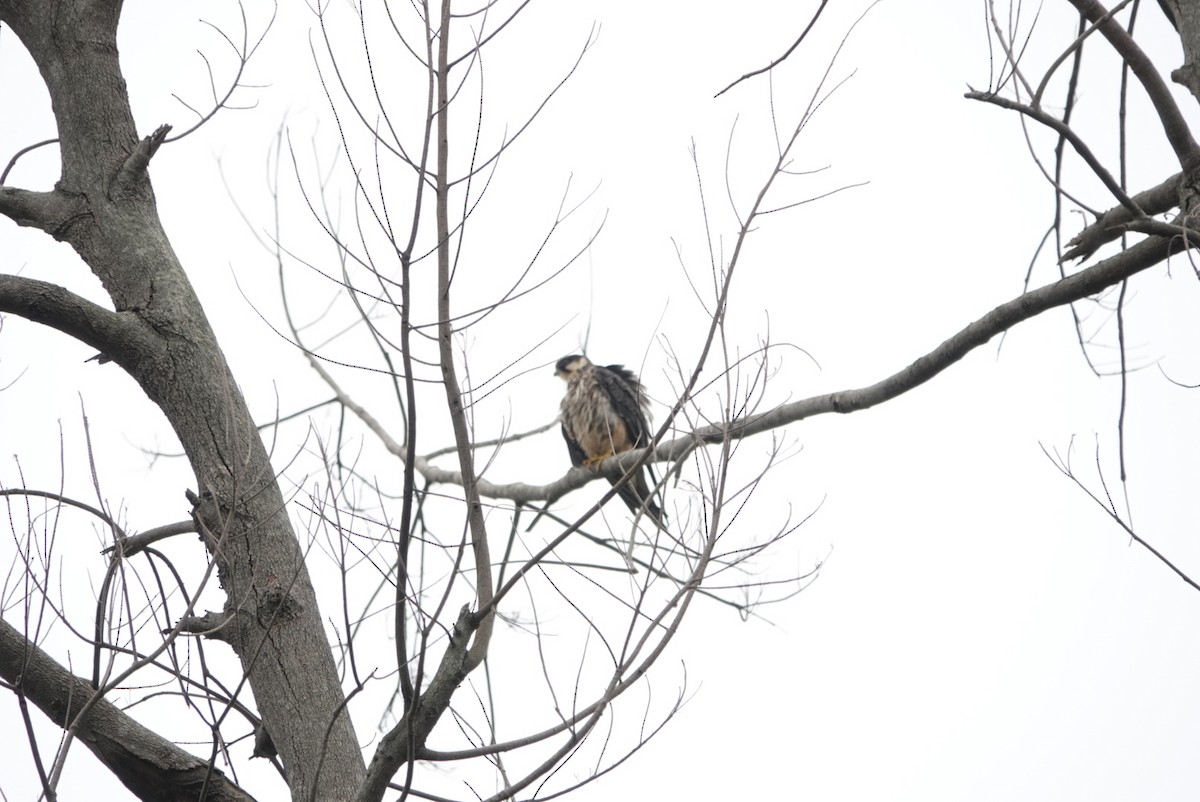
604,413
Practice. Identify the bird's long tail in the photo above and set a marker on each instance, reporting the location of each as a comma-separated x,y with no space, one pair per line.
636,495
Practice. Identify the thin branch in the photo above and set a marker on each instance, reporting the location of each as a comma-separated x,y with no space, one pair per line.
1065,131
816,16
27,149
1065,469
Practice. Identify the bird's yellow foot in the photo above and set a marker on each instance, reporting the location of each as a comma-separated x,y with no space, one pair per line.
594,462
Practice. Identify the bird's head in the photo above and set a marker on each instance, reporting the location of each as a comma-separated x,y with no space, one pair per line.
568,366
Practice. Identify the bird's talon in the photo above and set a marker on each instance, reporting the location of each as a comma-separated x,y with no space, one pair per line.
594,462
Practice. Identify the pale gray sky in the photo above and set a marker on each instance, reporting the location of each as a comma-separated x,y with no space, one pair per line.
980,630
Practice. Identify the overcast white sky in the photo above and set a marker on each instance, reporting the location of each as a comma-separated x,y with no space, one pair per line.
979,630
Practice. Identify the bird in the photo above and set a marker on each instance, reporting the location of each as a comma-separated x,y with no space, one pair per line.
604,414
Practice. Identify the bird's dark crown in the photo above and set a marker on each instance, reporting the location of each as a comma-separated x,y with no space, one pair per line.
569,364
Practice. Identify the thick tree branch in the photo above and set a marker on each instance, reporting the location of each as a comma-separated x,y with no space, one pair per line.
406,740
1111,225
1091,281
1104,274
149,765
1185,16
52,212
117,335
74,46
135,544
1174,124
133,176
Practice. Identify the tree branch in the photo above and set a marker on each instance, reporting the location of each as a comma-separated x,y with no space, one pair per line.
138,543
445,333
169,348
405,740
816,16
1066,132
1110,225
132,175
17,156
116,335
149,765
52,212
1100,276
1172,119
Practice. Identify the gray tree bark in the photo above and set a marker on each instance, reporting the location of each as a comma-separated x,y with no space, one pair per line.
150,766
104,207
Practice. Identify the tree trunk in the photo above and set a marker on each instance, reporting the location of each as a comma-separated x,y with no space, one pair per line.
104,207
